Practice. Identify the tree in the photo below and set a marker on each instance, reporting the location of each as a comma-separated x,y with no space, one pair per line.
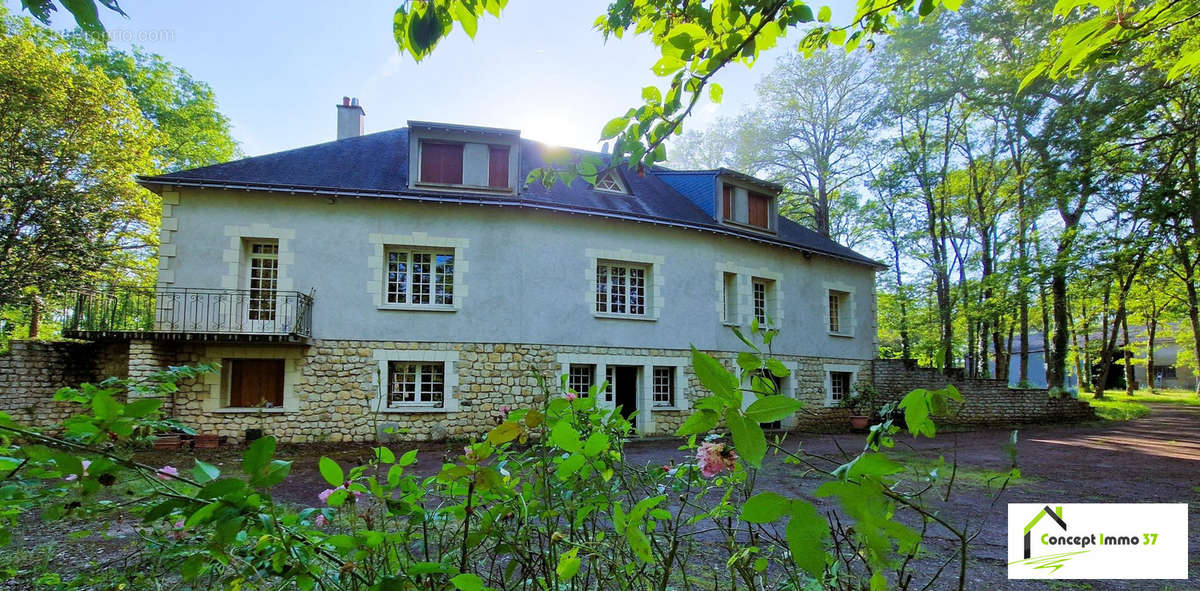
73,139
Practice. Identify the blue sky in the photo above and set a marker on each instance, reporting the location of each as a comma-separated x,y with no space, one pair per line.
278,68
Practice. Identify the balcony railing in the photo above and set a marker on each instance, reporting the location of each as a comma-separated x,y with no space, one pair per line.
176,312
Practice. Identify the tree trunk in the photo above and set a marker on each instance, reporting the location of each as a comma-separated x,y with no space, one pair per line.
35,316
1128,357
1151,332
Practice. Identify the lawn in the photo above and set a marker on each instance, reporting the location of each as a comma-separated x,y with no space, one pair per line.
1116,406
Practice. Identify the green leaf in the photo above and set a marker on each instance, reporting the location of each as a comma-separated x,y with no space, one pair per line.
715,92
105,407
765,507
652,95
258,454
342,542
596,442
504,432
568,564
612,128
749,361
772,408
221,488
385,455
701,421
748,437
276,472
408,458
639,543
867,464
824,14
204,472
467,582
837,36
570,466
666,66
140,408
777,368
566,437
331,472
202,514
952,4
716,378
806,533
468,20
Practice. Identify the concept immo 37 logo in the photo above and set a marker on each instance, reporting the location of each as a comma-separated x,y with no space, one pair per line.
1052,561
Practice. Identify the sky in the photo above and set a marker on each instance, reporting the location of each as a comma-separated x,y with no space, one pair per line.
279,68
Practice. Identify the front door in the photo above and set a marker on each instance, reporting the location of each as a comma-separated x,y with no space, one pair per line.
624,387
262,279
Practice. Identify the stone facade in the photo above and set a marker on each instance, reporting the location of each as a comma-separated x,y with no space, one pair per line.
987,402
32,371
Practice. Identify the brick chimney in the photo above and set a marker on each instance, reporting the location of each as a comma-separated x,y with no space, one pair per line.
349,118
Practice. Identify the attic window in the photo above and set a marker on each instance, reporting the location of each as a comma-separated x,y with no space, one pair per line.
462,164
610,182
743,206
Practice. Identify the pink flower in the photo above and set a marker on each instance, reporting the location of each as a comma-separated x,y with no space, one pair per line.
715,458
320,520
167,473
179,532
504,410
570,396
325,494
85,464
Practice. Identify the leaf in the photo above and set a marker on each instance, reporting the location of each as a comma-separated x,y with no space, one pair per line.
597,442
566,437
777,368
342,542
140,408
749,361
105,407
568,564
837,36
221,488
258,454
202,514
715,92
331,472
666,66
716,378
952,4
824,14
408,458
639,543
385,455
570,466
867,464
204,472
612,128
652,95
806,533
765,507
467,582
772,408
504,432
748,437
701,421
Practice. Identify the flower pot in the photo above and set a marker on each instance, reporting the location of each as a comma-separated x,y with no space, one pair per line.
859,421
253,434
167,442
208,441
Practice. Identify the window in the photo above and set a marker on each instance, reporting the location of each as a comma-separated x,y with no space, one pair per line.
255,382
263,264
581,377
729,305
441,163
839,385
759,208
1166,372
420,277
416,383
763,298
664,386
610,182
839,312
620,289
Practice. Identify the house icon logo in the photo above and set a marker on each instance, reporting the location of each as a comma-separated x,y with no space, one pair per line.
1056,515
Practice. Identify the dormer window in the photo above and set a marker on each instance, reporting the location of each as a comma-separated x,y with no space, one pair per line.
746,206
610,182
456,157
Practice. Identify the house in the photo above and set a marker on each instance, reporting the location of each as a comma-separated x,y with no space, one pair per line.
408,282
1167,372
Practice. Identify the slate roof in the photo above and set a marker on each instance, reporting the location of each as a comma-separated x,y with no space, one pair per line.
376,165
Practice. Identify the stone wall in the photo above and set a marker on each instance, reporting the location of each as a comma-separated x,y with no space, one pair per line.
987,402
32,371
333,394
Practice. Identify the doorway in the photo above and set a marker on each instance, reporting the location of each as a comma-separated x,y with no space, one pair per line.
625,388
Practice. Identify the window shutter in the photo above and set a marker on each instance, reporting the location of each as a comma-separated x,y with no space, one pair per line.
760,208
498,167
441,163
726,202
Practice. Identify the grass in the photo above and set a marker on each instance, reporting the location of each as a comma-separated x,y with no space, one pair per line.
1116,406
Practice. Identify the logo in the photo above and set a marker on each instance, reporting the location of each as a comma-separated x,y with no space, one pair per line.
1097,541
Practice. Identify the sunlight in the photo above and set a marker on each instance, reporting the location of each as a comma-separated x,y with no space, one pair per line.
557,128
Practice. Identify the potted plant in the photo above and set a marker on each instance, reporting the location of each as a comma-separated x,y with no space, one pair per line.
862,405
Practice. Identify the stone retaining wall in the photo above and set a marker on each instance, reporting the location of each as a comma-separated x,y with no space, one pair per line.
32,371
987,402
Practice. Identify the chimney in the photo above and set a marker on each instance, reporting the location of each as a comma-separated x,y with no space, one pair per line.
349,118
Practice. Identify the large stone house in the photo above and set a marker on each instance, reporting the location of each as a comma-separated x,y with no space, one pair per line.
408,279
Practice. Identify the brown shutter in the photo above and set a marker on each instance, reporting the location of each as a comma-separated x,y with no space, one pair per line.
726,202
253,380
441,163
760,208
498,167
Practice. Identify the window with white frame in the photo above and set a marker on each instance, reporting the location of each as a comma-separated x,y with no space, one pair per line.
419,277
839,385
729,304
581,377
610,182
416,384
663,386
763,296
839,307
263,280
621,288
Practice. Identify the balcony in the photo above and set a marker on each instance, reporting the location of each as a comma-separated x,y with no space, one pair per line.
215,315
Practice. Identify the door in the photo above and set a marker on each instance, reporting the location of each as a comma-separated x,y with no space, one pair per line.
624,387
262,281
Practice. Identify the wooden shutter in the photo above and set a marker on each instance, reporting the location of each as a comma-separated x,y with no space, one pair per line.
441,163
726,202
254,380
760,210
498,167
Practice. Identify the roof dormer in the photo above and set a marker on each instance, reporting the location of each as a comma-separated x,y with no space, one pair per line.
445,157
745,201
610,181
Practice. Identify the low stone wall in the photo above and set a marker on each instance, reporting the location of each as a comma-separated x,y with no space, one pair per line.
987,402
32,371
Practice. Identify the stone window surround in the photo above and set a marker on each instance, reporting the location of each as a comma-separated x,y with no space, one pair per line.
745,293
450,401
654,289
829,368
234,254
217,383
788,387
645,419
846,309
376,267
166,238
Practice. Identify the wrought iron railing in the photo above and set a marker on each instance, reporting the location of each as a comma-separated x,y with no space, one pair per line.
186,310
